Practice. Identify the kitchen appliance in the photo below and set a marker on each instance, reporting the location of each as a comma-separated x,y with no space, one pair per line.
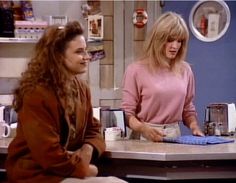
111,118
220,119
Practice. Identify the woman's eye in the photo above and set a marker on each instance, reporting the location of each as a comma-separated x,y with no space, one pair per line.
170,40
80,52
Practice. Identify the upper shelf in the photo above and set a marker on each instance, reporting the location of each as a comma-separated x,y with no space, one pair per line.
17,40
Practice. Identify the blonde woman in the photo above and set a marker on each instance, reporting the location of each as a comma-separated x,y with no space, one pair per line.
159,89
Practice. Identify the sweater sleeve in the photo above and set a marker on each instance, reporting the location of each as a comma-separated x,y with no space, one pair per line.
189,107
130,91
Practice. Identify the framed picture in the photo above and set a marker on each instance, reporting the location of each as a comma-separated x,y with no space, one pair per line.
95,27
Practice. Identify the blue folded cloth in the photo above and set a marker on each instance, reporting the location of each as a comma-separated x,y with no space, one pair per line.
197,140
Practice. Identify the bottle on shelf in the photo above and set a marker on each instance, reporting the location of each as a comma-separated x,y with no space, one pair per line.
203,25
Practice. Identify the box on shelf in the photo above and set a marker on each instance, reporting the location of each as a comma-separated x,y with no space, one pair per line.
56,19
213,24
30,29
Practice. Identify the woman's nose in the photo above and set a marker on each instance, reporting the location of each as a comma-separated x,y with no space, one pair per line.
87,55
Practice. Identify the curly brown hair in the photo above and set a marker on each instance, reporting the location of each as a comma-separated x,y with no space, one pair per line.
46,66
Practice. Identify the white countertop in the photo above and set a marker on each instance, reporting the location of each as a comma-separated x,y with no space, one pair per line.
143,150
4,142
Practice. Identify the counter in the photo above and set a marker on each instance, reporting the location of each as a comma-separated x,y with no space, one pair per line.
4,142
143,150
163,161
169,161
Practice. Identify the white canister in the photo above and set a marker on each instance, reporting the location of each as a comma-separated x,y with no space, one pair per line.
113,133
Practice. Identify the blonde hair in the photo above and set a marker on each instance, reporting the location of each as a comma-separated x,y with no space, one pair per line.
169,26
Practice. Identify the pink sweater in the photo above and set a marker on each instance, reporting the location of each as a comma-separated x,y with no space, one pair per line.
160,98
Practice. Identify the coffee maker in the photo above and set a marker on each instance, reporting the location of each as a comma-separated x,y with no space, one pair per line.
220,119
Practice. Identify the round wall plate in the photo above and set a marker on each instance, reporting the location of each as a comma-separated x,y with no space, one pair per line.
209,20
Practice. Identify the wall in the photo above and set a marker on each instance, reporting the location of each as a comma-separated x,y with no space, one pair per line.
213,63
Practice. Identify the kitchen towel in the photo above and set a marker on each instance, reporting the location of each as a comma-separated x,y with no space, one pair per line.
197,140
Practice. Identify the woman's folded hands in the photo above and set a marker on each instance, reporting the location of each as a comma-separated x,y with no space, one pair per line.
81,158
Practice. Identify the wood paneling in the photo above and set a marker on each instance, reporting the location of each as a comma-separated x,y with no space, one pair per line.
108,28
106,76
112,103
139,33
138,49
107,7
108,48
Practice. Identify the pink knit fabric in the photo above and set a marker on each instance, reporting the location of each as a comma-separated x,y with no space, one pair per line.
160,98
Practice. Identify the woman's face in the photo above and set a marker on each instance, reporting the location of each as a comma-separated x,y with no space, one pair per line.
171,48
76,56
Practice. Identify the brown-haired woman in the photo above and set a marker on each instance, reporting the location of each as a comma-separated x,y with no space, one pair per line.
57,136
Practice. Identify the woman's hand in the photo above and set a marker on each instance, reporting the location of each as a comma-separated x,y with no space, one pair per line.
145,130
197,131
151,134
192,123
86,152
93,171
83,156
